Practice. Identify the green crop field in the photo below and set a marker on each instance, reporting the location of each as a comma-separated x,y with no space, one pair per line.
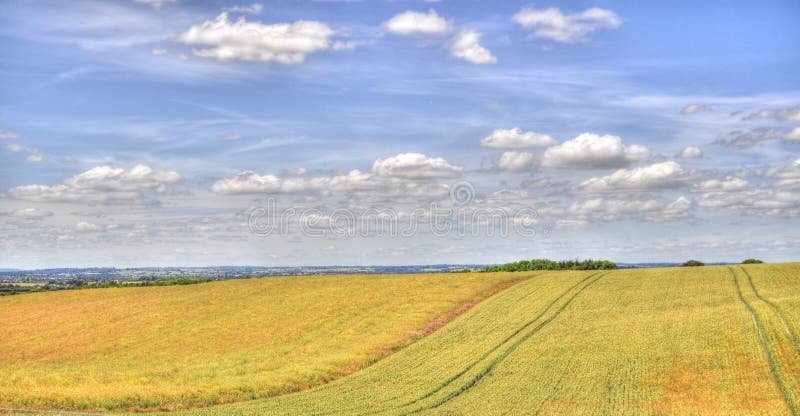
689,341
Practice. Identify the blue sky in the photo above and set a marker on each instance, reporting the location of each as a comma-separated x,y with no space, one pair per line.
146,132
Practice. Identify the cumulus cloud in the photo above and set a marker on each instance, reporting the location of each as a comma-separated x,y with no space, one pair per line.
782,114
679,209
251,182
416,166
589,150
788,177
694,109
662,175
554,25
102,184
465,46
410,23
6,134
387,175
690,152
517,161
623,209
751,199
727,184
517,139
287,43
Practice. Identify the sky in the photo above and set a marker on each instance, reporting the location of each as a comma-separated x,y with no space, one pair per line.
201,133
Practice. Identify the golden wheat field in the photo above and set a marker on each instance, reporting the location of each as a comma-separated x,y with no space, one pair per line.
166,347
689,341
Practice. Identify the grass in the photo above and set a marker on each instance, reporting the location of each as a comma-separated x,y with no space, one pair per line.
689,341
169,347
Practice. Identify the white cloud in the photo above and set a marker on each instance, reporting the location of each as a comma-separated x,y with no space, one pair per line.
416,166
405,173
287,43
516,139
677,210
86,227
158,51
231,137
34,158
13,147
782,200
517,161
751,138
647,178
788,177
623,209
100,184
783,114
792,135
694,108
6,134
252,9
465,46
690,152
590,150
155,3
32,214
251,183
552,24
409,23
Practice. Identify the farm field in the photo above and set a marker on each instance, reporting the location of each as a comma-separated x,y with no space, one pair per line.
691,341
173,346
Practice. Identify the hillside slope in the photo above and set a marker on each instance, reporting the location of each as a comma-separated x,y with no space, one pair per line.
710,340
167,347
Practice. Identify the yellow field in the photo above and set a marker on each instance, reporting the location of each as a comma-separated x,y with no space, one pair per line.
687,341
126,348
642,342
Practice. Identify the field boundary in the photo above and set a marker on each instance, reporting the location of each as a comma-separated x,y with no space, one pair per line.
761,331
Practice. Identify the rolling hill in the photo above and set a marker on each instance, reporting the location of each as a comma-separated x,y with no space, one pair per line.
705,340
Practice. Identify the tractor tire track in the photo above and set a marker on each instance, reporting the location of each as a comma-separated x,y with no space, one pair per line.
777,310
496,347
477,361
494,363
471,365
762,336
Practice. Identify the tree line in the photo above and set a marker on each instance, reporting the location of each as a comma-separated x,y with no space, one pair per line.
545,264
